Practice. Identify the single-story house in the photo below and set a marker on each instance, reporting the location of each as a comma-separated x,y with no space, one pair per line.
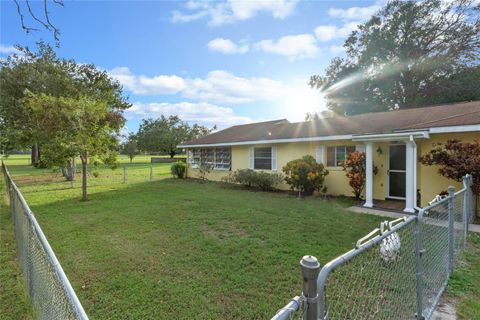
392,141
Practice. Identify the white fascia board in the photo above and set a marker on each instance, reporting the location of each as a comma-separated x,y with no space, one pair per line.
275,141
452,129
392,136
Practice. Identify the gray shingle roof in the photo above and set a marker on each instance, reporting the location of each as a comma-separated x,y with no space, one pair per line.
465,113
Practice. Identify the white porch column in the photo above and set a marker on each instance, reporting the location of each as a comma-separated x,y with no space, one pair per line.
410,149
369,175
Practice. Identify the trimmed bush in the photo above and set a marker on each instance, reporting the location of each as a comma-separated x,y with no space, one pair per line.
305,175
179,169
261,180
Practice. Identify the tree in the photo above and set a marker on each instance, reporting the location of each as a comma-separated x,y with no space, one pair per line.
305,175
42,72
355,165
130,146
164,134
82,126
411,53
455,160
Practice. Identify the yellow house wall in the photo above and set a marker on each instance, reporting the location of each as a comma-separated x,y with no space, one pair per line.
430,182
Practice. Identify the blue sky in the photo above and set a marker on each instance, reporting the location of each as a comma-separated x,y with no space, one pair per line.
221,63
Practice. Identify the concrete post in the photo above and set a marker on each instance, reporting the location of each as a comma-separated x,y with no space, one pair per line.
310,269
369,175
151,172
451,222
410,189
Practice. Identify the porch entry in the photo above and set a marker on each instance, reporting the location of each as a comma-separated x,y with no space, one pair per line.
396,171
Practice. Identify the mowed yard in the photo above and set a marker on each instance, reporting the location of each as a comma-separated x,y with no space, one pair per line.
181,249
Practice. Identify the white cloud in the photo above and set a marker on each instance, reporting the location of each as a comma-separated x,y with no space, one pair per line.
354,13
229,11
330,32
223,87
226,46
143,85
201,113
218,86
8,50
294,47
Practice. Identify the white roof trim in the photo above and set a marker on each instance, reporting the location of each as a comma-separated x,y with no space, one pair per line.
465,128
273,141
392,136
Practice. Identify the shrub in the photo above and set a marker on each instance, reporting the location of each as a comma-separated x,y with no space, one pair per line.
354,165
261,180
179,169
305,175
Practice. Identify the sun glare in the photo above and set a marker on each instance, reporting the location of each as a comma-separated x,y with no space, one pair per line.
300,100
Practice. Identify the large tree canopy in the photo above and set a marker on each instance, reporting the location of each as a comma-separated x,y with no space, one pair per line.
42,72
70,110
411,53
162,135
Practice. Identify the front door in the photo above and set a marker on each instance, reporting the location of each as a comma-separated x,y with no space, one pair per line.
396,171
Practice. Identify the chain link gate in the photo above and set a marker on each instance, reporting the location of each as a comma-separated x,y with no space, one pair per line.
49,290
397,271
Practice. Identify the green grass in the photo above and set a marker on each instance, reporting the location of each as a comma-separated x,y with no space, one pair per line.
183,250
464,283
13,295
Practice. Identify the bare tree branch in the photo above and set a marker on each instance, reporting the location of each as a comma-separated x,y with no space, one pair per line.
45,22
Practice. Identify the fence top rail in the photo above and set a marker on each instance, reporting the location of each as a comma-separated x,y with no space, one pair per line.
48,249
361,247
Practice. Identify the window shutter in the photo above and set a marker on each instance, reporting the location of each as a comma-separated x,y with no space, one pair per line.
250,165
360,147
319,154
274,158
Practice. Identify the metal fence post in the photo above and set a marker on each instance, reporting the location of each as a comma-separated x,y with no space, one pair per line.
451,222
124,174
151,172
466,208
310,269
418,264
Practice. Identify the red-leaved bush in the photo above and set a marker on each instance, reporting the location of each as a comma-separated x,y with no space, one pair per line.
354,165
456,159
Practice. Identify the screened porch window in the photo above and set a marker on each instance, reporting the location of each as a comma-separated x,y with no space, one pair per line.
217,158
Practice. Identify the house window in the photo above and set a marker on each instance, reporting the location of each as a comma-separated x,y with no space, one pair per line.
337,155
223,158
262,158
216,158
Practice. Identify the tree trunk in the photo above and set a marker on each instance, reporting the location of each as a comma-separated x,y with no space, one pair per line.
34,155
131,159
84,158
69,170
172,154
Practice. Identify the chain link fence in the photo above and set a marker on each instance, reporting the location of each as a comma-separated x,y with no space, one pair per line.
50,292
397,271
97,176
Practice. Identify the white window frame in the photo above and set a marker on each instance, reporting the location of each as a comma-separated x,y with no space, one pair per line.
273,158
336,159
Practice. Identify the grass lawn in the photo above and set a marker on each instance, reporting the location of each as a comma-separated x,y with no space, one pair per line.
464,283
185,250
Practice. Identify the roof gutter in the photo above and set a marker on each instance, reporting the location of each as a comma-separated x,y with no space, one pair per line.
392,136
273,141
